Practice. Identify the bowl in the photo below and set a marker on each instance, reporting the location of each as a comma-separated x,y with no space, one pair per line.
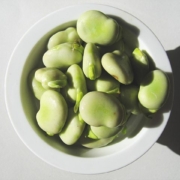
142,132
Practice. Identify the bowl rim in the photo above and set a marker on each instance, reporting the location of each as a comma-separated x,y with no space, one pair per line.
70,163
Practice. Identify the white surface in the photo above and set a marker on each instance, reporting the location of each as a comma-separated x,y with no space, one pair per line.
162,161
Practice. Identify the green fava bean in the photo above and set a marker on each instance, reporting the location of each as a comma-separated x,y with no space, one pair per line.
73,128
95,27
140,64
153,90
118,65
64,55
91,61
105,83
76,87
36,86
129,98
104,132
101,109
51,78
53,111
68,35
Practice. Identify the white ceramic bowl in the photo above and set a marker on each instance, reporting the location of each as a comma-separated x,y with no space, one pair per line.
142,133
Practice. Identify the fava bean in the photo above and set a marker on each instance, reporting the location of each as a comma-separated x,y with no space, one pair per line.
63,55
73,128
118,65
91,61
68,35
95,27
36,86
153,90
53,111
51,78
101,109
76,87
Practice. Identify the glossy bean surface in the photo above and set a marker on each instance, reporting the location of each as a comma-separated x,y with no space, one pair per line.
101,109
153,90
95,27
53,112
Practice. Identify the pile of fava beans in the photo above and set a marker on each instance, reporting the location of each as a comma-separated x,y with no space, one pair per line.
89,86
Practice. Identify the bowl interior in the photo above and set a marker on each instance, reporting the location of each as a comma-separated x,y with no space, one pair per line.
31,105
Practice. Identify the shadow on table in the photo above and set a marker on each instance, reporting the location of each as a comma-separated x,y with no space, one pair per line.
171,134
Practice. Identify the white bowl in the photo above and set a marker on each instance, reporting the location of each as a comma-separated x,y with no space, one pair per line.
142,133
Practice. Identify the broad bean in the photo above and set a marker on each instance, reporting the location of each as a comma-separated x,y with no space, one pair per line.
63,55
118,65
101,109
73,128
95,27
91,61
51,78
36,86
153,90
76,87
53,112
68,35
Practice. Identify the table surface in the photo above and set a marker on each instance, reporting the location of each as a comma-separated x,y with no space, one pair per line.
161,162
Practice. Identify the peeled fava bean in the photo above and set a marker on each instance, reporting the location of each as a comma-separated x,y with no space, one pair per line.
63,55
153,90
140,64
76,87
91,61
101,109
53,111
105,83
36,86
51,78
68,35
118,65
95,27
73,128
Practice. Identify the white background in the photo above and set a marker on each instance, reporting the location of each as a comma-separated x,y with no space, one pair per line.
161,162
